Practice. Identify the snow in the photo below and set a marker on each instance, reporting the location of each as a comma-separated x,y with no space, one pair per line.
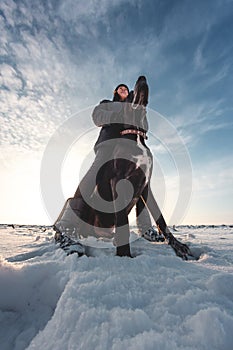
155,301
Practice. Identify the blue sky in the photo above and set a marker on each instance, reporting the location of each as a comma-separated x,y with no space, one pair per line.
62,57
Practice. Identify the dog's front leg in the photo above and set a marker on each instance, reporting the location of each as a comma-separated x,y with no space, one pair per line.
122,233
181,249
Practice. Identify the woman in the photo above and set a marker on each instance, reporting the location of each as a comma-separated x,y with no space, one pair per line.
105,116
120,122
121,154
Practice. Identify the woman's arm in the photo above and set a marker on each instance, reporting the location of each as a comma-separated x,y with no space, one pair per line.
107,112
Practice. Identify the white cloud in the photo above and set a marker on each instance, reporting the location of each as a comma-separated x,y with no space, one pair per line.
93,9
219,75
216,177
199,59
8,8
197,119
9,77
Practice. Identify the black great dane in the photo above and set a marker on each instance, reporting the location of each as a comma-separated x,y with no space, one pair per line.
117,180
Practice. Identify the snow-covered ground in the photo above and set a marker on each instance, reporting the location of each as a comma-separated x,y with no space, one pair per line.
155,301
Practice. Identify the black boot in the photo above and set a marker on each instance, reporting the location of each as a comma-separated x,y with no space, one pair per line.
69,245
152,235
123,250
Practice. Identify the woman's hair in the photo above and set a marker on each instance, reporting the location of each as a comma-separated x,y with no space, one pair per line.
116,96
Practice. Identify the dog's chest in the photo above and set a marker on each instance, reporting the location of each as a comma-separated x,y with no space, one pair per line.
143,159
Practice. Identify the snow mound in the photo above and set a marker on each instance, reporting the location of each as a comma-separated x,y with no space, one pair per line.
155,301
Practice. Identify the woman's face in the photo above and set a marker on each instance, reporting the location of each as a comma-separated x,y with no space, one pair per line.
122,92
